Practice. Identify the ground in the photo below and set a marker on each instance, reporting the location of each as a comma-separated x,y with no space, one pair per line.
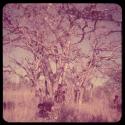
25,109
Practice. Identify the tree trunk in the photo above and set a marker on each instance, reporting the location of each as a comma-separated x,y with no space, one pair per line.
46,88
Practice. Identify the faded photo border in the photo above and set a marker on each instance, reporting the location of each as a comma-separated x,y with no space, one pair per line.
36,91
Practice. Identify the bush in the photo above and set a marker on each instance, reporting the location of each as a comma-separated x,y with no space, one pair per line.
47,106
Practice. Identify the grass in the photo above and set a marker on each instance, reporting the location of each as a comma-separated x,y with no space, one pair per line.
96,110
25,105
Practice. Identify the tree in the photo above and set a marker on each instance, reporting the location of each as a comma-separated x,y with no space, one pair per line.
61,33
